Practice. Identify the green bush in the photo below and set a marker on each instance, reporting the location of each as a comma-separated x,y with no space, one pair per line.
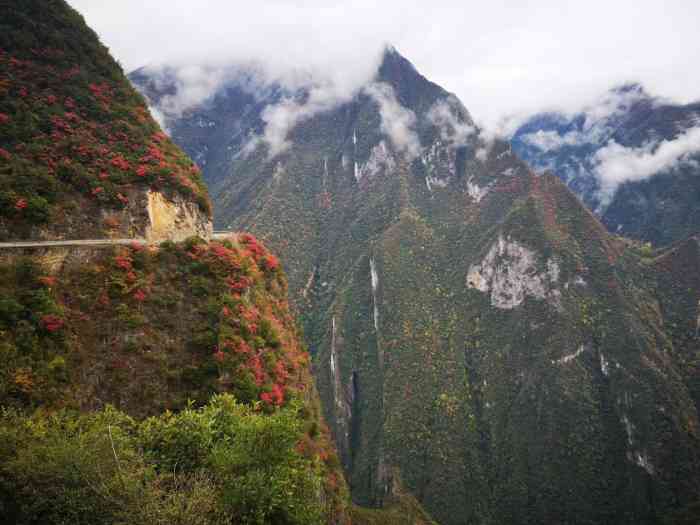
222,463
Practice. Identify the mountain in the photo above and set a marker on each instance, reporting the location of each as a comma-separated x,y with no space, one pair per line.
476,332
142,382
631,157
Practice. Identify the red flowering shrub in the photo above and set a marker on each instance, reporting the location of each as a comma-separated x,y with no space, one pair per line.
21,204
120,162
270,262
123,261
51,323
47,281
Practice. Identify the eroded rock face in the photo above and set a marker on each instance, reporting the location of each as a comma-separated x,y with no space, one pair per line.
510,272
150,215
380,161
175,219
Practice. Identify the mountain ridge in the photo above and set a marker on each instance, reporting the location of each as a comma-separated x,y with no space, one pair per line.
592,150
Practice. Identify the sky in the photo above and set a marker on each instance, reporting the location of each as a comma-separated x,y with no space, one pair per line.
501,57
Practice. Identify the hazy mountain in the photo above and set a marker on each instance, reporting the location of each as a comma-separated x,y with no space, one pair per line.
477,333
631,157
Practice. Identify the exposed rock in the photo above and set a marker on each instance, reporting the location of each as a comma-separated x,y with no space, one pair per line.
510,272
175,219
380,160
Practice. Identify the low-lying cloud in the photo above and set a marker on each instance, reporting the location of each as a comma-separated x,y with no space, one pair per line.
616,164
398,122
501,59
455,129
551,140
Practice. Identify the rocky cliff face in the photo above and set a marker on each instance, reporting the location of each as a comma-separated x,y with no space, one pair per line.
475,330
631,157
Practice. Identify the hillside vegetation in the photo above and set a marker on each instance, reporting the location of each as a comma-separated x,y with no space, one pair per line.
76,140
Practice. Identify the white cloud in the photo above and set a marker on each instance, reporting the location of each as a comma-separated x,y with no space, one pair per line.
610,105
616,164
454,127
282,117
397,121
547,141
500,59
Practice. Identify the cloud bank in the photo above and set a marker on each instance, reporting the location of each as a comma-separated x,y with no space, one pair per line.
502,58
397,121
444,114
616,164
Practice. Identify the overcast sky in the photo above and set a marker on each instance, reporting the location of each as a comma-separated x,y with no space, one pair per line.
500,57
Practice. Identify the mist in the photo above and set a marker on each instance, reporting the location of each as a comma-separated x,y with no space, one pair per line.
503,60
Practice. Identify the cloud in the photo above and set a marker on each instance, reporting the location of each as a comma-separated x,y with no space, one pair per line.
282,117
598,119
397,121
501,59
613,103
455,127
615,164
551,140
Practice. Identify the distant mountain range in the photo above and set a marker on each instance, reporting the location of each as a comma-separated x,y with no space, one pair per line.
478,335
631,157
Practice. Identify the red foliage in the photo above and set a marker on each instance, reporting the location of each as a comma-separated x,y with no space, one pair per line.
239,285
97,191
103,300
271,262
47,281
20,204
142,170
51,99
4,118
51,323
140,295
122,199
281,374
4,154
123,261
120,162
255,365
276,396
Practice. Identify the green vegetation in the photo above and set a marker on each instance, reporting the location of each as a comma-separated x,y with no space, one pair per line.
222,463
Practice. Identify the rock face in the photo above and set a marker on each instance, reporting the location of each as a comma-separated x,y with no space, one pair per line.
509,271
175,219
476,331
631,157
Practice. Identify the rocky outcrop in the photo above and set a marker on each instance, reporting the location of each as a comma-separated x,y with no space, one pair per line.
175,219
510,273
